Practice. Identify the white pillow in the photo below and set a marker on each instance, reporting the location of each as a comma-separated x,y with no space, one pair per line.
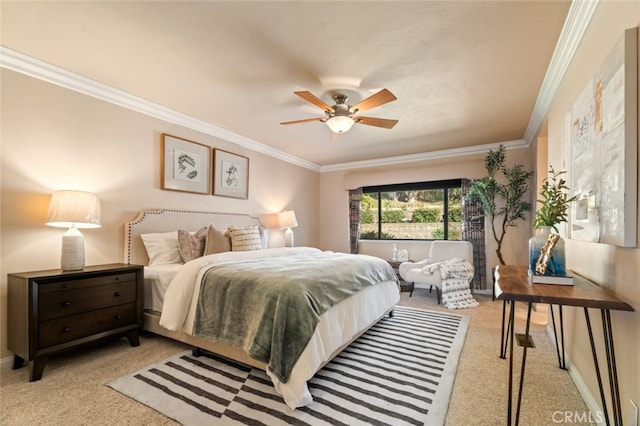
245,238
162,247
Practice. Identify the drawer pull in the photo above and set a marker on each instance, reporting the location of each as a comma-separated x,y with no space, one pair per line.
117,294
118,317
66,303
66,329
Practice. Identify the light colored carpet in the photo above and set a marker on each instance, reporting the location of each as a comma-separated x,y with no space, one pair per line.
400,372
74,391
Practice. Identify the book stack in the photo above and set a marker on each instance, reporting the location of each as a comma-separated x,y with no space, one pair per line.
550,279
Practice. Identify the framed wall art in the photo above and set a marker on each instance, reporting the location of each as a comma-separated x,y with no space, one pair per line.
603,130
230,174
186,165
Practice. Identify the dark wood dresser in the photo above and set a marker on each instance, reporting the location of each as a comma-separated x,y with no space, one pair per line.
54,311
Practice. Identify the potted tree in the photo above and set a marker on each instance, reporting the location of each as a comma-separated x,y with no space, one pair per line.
501,195
554,203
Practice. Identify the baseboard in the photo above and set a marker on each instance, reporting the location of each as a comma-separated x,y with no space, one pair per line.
586,395
6,363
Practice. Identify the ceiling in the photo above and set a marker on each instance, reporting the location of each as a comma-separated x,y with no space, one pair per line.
466,73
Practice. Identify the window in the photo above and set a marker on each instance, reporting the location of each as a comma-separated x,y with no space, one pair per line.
413,211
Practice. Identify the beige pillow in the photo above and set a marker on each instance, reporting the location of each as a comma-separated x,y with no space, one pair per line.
245,238
217,242
191,245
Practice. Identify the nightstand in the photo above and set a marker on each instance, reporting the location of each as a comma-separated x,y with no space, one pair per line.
50,312
404,286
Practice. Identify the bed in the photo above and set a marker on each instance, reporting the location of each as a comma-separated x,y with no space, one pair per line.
173,288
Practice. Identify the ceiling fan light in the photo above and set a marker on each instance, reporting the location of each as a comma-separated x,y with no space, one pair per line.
340,123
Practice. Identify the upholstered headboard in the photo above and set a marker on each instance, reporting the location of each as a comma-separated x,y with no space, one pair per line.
167,220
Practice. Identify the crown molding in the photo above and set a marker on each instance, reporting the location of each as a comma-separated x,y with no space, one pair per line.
41,70
425,156
578,19
576,24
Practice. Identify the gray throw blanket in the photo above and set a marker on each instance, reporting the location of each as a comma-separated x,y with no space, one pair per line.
270,307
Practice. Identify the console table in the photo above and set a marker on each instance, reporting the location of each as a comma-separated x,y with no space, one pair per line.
512,285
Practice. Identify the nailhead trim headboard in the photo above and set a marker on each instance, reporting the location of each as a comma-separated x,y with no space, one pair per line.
167,220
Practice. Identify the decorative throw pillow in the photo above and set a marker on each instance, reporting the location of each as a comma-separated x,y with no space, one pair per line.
162,247
217,242
245,238
191,245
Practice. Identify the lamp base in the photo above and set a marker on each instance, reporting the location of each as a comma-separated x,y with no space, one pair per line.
288,238
72,254
275,238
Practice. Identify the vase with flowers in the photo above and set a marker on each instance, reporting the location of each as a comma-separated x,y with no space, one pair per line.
554,200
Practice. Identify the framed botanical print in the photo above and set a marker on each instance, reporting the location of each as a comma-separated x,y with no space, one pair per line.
230,174
186,165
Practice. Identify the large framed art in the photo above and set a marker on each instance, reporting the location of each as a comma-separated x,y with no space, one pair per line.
602,129
186,165
230,174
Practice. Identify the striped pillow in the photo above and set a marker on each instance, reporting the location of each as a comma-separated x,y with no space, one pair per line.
245,238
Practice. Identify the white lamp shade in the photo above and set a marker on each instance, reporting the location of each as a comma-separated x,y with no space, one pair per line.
340,123
287,219
269,221
74,209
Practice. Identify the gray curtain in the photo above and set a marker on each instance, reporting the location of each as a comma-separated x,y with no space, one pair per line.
473,231
355,196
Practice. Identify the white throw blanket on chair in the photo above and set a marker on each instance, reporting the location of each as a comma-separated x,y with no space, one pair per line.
456,274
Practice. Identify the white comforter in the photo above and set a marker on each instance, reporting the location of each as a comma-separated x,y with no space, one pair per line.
337,326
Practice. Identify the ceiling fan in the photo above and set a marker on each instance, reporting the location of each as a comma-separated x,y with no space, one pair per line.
341,116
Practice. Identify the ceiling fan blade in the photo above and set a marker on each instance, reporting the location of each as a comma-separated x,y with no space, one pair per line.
310,97
378,122
306,120
382,97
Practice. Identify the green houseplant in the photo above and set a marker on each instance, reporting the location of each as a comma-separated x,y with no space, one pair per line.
554,198
554,203
501,195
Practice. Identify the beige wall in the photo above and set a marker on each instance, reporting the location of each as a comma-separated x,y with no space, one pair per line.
334,205
615,268
54,138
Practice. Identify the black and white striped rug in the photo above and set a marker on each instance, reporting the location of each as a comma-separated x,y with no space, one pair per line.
400,372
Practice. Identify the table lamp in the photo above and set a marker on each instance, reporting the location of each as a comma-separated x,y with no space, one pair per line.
73,210
287,219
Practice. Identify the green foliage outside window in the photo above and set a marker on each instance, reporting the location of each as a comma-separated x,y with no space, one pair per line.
455,214
408,212
426,216
366,217
438,234
392,216
368,203
373,235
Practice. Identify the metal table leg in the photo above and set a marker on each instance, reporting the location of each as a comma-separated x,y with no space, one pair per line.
597,366
504,337
611,363
510,392
524,361
559,348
